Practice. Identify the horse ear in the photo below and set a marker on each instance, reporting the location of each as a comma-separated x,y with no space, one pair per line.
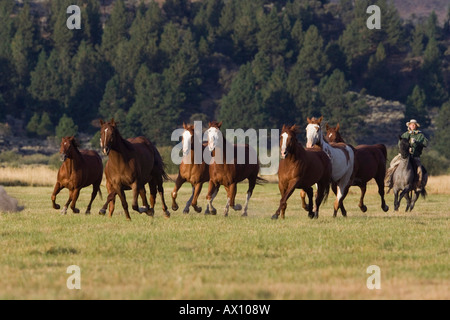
209,124
113,122
219,124
102,122
283,128
308,119
327,126
320,119
337,127
184,125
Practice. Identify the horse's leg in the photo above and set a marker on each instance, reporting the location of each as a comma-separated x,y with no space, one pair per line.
233,191
110,199
209,202
56,190
303,197
402,194
408,200
75,194
227,206
309,191
413,202
362,206
188,203
178,183
251,186
161,194
145,207
153,192
285,196
396,201
95,189
136,192
380,184
320,195
198,189
342,191
123,199
64,209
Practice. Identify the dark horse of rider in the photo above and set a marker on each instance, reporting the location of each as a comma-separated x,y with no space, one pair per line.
417,141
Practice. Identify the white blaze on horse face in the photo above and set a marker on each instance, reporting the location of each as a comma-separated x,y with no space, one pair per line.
213,137
283,145
187,138
313,133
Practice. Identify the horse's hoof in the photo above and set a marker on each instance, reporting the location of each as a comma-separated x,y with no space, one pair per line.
385,208
244,214
316,215
186,211
207,211
274,217
102,212
87,212
175,207
197,209
214,212
150,212
363,208
64,211
311,215
76,211
237,207
143,209
166,214
56,206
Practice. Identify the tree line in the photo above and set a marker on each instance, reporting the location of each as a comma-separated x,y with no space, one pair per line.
251,64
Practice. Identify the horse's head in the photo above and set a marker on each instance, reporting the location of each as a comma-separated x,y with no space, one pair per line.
67,145
214,135
403,146
333,134
313,132
288,138
186,139
107,135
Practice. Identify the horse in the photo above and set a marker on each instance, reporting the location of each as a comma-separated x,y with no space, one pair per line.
342,158
131,164
404,178
80,169
189,171
371,164
300,169
228,172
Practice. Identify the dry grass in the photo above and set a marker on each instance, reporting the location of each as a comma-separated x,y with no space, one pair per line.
28,176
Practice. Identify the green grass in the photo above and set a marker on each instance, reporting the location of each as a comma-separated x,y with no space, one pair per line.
212,257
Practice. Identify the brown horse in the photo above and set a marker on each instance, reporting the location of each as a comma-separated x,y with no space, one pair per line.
79,170
370,163
228,171
301,169
196,174
131,164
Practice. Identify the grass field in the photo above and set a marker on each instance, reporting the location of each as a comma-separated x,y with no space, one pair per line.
212,257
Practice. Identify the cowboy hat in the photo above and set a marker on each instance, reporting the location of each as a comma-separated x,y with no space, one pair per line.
412,121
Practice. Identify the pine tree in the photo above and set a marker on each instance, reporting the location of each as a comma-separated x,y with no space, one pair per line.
417,42
416,107
270,37
7,29
442,134
115,30
66,127
112,100
312,56
45,127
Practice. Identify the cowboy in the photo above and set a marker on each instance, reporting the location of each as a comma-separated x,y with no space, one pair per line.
417,141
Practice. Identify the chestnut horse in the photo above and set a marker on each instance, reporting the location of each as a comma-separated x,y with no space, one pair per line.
342,158
131,164
228,172
300,169
370,162
79,170
196,174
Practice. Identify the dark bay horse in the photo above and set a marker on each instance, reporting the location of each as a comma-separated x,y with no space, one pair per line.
342,158
80,169
131,164
189,171
301,169
404,178
228,172
370,164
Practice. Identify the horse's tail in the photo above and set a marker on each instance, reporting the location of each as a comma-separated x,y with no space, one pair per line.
326,193
100,193
159,163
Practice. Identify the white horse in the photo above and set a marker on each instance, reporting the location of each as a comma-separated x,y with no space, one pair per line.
342,159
